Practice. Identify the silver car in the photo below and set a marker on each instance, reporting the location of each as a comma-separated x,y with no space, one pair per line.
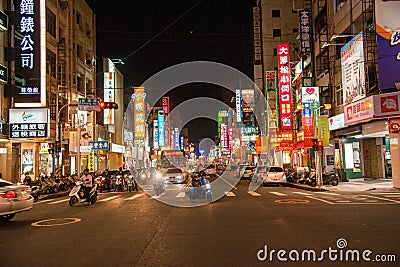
14,199
175,175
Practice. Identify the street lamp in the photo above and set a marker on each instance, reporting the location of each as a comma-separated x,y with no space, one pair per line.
341,36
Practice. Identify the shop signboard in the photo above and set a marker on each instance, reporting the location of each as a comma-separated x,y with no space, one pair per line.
176,138
386,105
165,105
388,42
336,122
99,145
359,111
29,123
310,94
139,114
323,130
305,30
155,134
394,125
353,72
308,131
238,106
109,90
161,130
285,97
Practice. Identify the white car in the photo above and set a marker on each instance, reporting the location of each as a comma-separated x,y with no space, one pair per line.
14,199
175,175
211,170
273,175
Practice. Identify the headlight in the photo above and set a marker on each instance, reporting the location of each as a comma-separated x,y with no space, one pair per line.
179,176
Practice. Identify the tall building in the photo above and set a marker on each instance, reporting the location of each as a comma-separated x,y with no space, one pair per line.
51,53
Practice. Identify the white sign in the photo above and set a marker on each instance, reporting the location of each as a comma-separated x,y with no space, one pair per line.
238,106
109,91
359,111
3,150
117,148
85,149
336,122
36,115
310,94
29,123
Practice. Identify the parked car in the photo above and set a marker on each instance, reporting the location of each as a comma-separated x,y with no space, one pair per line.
247,172
274,175
211,170
175,175
14,199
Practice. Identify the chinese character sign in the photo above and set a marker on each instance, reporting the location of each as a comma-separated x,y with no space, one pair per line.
139,113
161,128
285,97
165,105
29,60
176,138
155,134
109,87
305,30
29,123
238,105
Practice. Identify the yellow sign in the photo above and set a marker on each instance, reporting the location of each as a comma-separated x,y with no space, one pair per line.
323,130
91,162
139,113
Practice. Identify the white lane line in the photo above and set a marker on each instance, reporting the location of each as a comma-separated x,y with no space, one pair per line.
302,193
228,182
386,199
254,194
328,193
278,194
323,200
181,194
155,196
59,201
230,194
134,197
382,193
108,198
43,201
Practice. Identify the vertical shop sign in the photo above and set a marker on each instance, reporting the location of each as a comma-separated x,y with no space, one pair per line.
285,97
323,130
238,105
305,30
155,134
139,115
161,129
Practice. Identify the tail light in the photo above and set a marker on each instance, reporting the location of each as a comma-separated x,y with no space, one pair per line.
9,194
284,177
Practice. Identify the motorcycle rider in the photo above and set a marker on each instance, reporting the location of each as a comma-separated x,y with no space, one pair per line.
87,182
107,177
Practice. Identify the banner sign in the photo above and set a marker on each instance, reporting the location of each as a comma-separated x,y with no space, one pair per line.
31,45
29,123
308,131
139,114
388,42
323,130
238,106
285,97
155,134
161,128
305,30
109,90
176,138
353,71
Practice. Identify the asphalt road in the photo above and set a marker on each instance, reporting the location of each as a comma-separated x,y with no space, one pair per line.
134,229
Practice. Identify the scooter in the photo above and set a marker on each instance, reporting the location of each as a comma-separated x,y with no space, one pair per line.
200,192
76,195
119,183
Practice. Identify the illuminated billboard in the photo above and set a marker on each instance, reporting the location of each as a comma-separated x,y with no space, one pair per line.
285,96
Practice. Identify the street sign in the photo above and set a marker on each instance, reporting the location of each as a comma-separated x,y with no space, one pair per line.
89,104
314,105
98,145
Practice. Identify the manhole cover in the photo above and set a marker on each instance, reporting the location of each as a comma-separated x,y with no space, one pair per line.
292,201
56,222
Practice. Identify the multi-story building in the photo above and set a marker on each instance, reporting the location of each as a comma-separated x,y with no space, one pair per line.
51,53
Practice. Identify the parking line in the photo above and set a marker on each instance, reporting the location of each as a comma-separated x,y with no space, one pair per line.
386,199
108,198
135,196
323,200
328,193
59,201
302,193
181,194
230,194
254,194
278,194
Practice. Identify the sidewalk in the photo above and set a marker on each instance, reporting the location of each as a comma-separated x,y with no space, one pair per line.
363,184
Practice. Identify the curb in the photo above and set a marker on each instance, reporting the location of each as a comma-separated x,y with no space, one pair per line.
57,195
306,187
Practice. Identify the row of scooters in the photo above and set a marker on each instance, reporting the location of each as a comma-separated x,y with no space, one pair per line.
50,185
309,177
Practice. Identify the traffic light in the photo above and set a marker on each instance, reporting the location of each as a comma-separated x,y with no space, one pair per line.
318,145
108,105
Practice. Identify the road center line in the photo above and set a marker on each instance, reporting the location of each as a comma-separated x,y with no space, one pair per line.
328,193
278,194
135,196
59,201
108,198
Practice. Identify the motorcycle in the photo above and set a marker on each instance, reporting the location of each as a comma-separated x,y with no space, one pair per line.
35,190
201,191
119,184
76,194
331,178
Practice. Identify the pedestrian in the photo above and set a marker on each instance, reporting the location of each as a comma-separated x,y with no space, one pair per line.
28,179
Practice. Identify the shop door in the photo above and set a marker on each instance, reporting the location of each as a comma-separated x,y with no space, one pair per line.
15,164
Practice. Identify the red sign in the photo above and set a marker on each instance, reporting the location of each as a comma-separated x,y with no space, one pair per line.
308,131
361,110
394,125
165,105
285,96
285,137
387,105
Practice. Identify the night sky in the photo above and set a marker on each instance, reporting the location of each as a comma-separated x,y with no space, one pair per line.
214,30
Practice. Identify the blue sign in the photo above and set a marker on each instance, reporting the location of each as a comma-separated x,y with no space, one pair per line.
182,143
307,112
98,145
176,138
161,128
155,134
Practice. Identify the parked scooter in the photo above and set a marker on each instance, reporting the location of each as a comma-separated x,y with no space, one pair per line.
331,178
77,195
35,190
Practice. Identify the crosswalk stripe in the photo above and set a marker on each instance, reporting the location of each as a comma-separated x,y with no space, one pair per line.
278,194
230,194
59,201
302,193
134,197
181,194
254,194
328,193
108,198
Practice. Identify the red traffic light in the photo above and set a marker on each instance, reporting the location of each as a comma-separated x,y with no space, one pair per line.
108,105
320,143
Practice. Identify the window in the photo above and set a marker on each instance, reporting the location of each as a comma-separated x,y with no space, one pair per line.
51,63
276,33
339,95
276,13
50,22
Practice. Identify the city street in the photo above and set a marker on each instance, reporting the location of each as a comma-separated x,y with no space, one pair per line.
134,229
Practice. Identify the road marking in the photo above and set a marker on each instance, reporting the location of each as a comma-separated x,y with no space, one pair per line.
278,194
230,194
383,193
254,194
134,197
155,196
323,200
328,193
181,194
108,198
292,201
386,199
59,201
56,222
43,201
302,193
228,182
